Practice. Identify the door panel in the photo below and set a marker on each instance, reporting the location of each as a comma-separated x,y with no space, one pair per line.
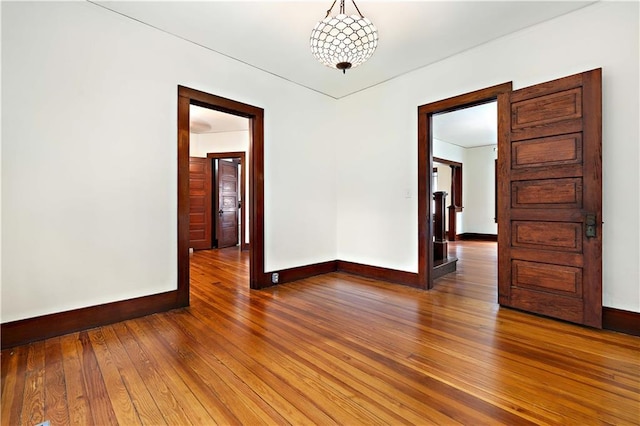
566,280
547,194
199,203
227,223
563,236
550,151
551,186
551,305
545,110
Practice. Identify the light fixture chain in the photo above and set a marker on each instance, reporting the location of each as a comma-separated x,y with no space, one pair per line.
331,8
359,13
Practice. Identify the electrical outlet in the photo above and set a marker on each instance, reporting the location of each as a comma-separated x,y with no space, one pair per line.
275,277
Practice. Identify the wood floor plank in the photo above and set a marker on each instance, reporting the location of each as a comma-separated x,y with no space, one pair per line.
305,375
14,364
155,380
379,364
33,405
476,415
56,406
302,411
203,382
100,405
405,414
331,349
137,391
602,407
170,367
244,370
77,399
230,388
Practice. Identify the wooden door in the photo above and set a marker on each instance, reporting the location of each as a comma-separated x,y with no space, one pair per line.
200,203
227,223
550,200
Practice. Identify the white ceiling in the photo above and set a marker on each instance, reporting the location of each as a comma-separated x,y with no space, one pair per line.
274,35
204,120
469,127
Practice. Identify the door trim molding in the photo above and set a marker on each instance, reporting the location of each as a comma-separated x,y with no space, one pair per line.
425,164
186,96
243,164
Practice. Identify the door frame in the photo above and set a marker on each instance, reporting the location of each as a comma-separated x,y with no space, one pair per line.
455,195
186,97
425,164
241,155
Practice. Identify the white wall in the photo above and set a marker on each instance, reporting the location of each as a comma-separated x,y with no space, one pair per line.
447,151
200,144
89,104
478,194
377,224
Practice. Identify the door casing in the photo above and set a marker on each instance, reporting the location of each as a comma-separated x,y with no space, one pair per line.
425,164
187,97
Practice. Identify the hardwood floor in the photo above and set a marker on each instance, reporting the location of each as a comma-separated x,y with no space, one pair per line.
477,271
332,349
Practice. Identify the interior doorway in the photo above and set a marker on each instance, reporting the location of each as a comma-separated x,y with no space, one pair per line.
218,178
222,206
255,170
426,115
549,187
218,207
450,179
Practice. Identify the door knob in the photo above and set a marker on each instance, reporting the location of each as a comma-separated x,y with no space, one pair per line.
220,212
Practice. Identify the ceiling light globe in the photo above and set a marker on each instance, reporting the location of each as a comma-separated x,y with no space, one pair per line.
343,41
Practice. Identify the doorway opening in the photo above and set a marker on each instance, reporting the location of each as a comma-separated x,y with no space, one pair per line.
254,168
233,187
449,174
218,178
427,126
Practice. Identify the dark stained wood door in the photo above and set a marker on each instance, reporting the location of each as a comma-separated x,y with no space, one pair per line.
227,223
550,200
200,203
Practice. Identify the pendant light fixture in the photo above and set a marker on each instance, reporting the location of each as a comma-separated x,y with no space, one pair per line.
343,41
